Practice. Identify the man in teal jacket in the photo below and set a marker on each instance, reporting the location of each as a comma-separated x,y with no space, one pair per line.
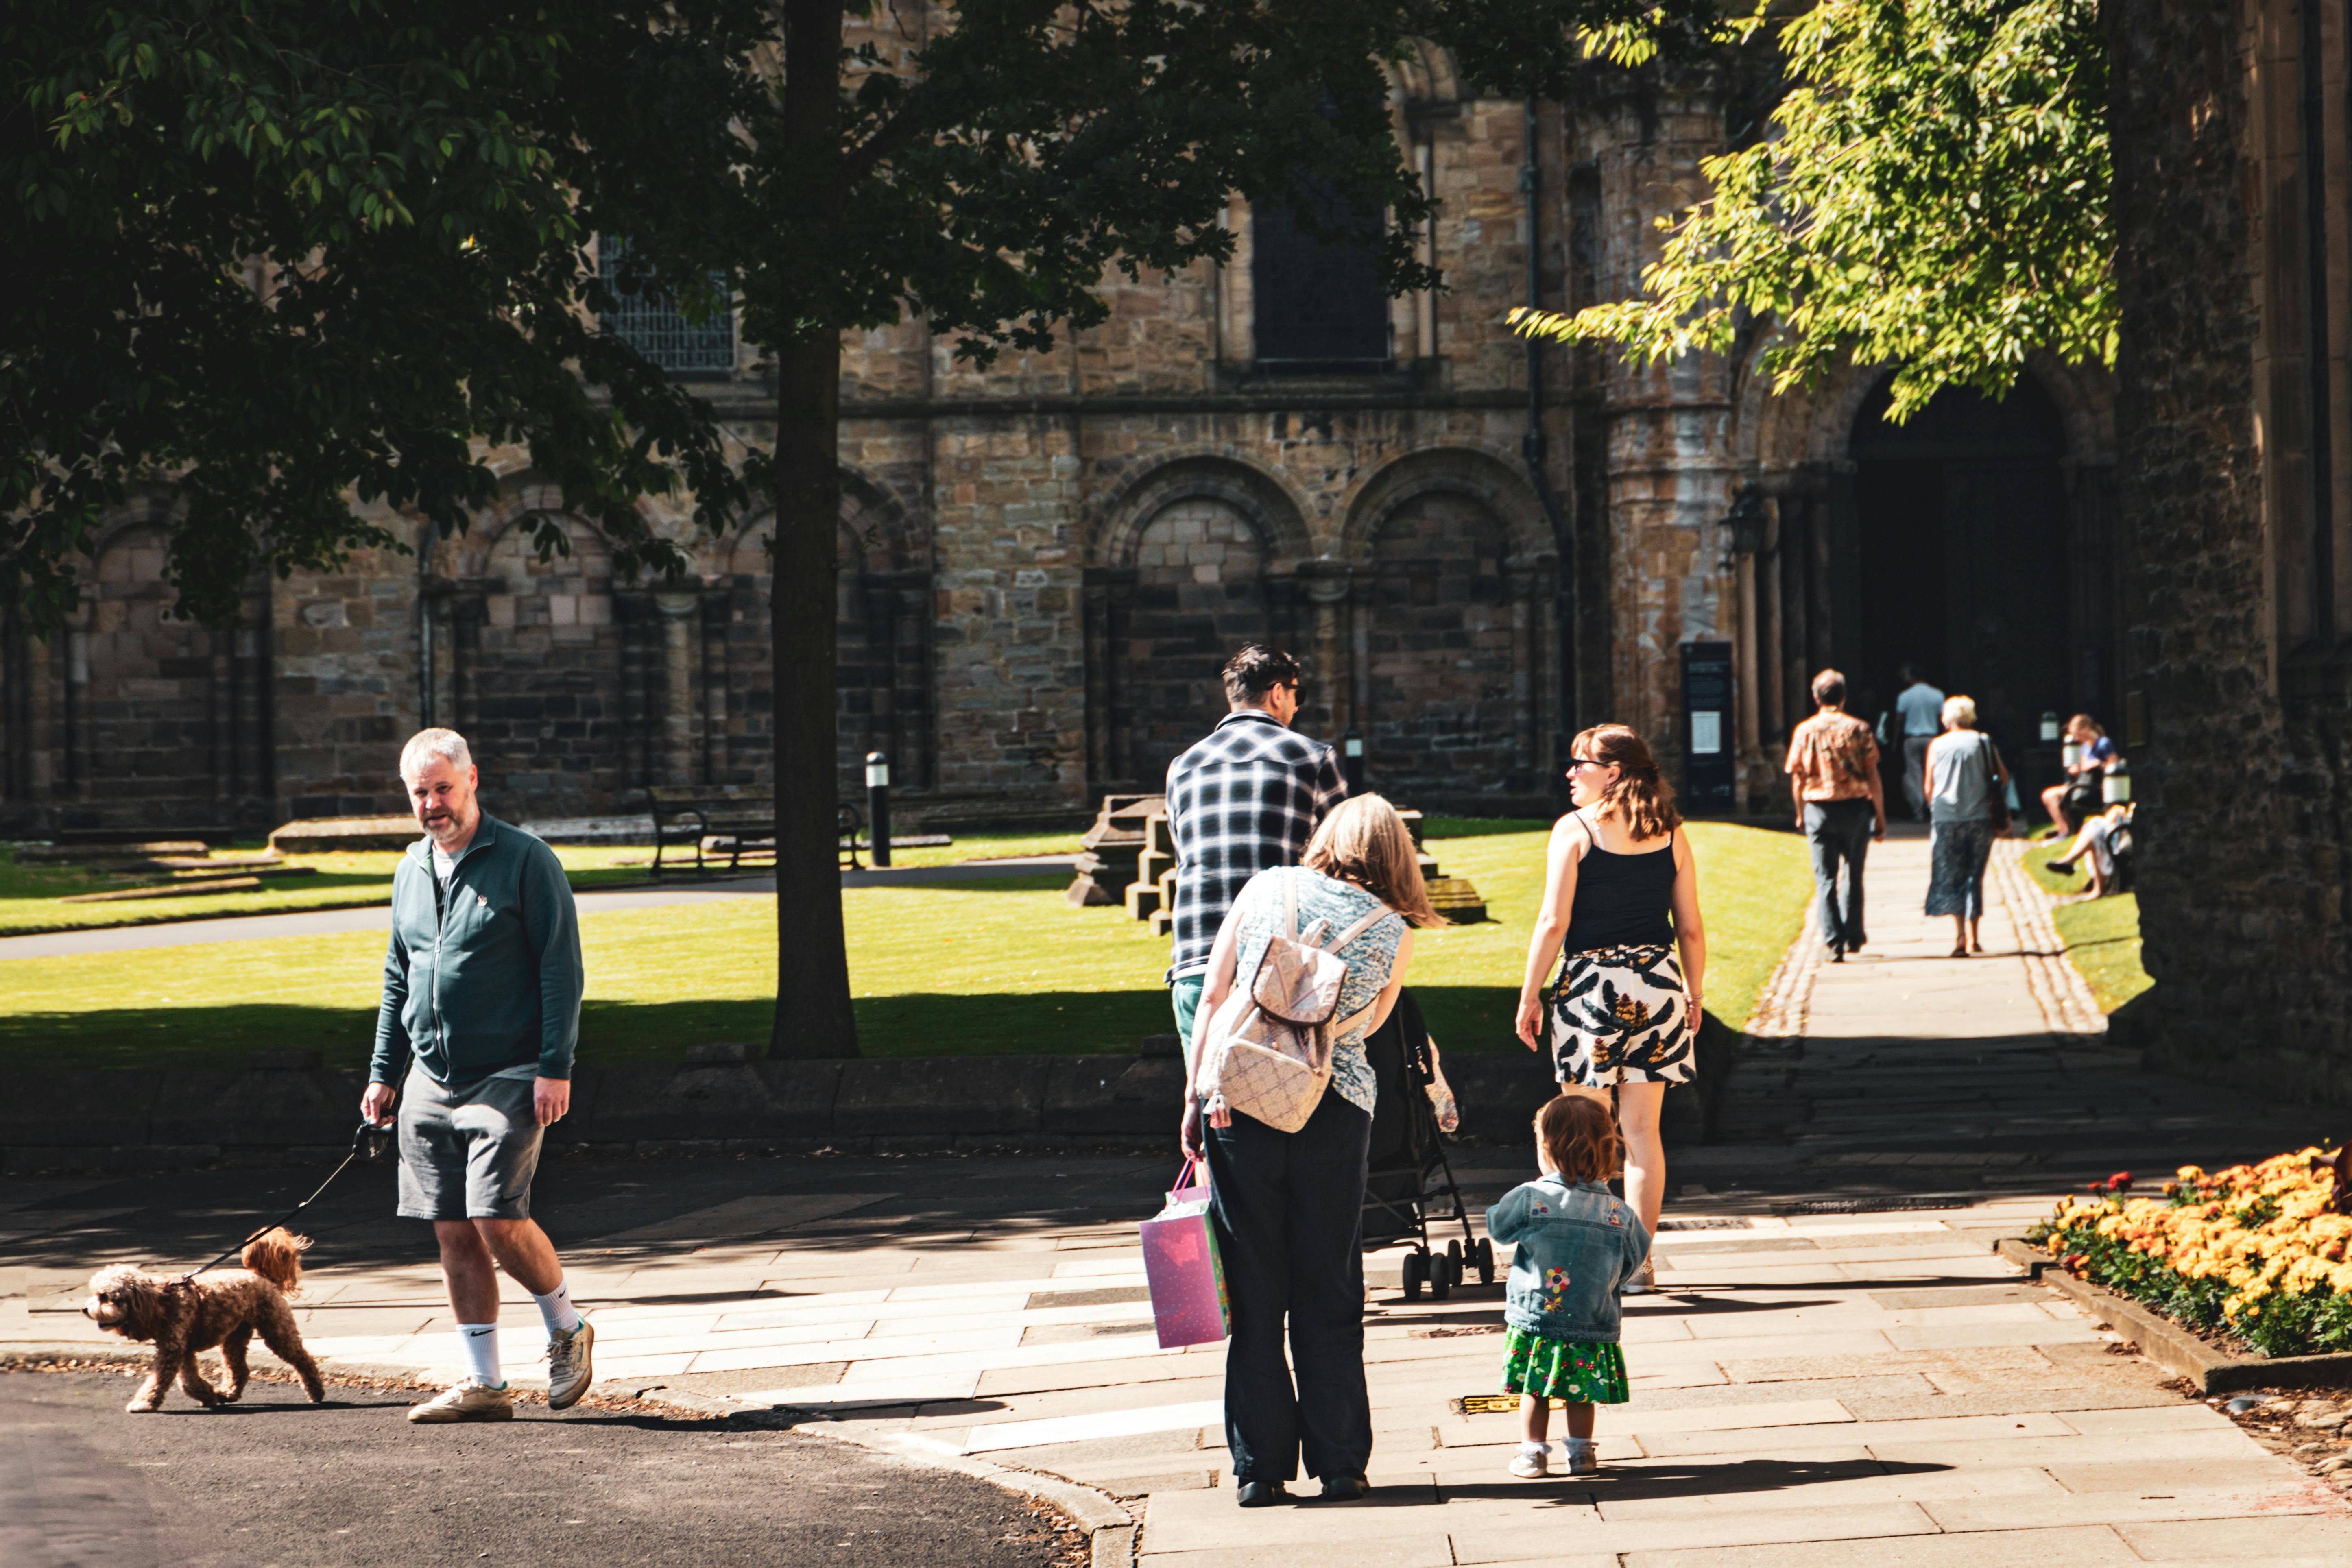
474,1042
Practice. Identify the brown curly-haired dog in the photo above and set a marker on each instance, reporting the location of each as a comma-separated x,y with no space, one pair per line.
227,1308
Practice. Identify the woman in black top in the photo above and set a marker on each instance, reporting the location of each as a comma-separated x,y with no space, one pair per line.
1621,918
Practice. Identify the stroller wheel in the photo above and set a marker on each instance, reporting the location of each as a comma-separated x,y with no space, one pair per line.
1443,1277
1453,1260
1485,1255
1417,1271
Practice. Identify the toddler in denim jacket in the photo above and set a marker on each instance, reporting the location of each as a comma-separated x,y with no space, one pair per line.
1577,1243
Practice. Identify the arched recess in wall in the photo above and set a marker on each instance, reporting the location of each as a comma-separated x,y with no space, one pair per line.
161,723
1194,562
882,641
1981,539
533,661
1453,629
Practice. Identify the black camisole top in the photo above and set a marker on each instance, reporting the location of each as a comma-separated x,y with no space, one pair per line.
1622,901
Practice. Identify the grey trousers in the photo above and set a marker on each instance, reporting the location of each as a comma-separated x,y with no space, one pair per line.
1839,833
1915,773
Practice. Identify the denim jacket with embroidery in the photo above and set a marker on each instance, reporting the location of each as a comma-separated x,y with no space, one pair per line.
1576,1244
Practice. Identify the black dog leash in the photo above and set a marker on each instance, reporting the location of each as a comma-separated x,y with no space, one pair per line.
368,1144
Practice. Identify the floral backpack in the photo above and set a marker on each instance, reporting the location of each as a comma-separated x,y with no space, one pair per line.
1266,1051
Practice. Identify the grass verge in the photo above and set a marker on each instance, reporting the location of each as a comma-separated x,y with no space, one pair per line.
2101,935
978,968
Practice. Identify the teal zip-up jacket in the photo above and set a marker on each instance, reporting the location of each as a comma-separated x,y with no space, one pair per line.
494,981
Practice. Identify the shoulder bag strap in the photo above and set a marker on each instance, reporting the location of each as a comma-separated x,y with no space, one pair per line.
1359,928
1290,902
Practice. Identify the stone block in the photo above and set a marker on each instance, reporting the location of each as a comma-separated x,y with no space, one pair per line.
723,1099
1500,1091
256,1109
919,1097
69,1109
1106,1095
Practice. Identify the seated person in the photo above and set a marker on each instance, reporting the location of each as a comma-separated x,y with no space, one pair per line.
2080,792
2096,842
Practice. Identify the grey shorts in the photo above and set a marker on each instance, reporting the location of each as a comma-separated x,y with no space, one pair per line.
468,1152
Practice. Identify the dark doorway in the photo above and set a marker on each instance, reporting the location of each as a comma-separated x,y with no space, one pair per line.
1967,560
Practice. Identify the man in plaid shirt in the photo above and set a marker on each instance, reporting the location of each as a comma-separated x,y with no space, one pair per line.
1245,798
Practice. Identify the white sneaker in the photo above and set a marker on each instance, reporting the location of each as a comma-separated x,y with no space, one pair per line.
570,1368
1580,1459
1643,1281
1529,1466
470,1400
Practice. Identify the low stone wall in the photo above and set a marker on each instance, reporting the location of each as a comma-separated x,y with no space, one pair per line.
280,1110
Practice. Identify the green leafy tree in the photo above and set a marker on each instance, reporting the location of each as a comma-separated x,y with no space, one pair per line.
275,250
1932,193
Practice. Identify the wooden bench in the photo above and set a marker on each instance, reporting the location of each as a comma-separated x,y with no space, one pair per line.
696,814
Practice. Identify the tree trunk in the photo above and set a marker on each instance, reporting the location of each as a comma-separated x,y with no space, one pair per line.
812,1012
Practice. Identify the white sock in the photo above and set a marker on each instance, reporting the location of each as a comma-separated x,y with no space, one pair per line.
1570,1445
481,1346
1532,1450
556,1307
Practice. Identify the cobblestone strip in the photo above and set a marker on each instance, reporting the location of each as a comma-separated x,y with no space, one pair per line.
1788,997
2058,987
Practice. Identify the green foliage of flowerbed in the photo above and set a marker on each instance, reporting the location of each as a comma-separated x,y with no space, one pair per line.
2254,1253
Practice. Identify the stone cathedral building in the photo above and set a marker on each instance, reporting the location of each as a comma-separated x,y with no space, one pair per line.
1477,547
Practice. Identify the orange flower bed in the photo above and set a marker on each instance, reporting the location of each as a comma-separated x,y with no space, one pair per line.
2255,1251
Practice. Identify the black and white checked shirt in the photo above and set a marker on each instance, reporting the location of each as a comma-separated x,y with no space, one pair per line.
1245,798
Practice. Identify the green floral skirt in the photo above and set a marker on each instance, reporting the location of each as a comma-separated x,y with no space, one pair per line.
1583,1374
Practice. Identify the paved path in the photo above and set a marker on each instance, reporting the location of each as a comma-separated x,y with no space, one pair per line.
378,917
1837,1372
272,1480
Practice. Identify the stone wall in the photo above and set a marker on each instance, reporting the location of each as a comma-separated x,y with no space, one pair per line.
1043,564
2242,705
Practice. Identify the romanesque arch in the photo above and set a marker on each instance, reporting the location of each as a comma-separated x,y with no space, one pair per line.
882,632
1452,566
1193,559
161,723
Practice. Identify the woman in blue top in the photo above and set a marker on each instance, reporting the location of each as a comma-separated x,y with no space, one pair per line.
1964,770
1289,1207
1576,1246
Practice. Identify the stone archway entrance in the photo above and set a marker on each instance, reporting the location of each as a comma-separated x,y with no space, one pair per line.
1980,556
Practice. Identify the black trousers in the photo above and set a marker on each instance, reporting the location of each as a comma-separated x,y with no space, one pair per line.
1839,831
1289,1209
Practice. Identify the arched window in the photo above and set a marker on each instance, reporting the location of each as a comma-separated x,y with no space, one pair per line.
1318,306
649,322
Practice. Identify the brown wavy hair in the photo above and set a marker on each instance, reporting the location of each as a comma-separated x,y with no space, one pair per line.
1641,798
1580,1138
1364,841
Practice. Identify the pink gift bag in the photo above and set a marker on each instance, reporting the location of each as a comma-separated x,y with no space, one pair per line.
1180,1260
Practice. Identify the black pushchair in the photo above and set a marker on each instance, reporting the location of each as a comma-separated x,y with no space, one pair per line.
1410,1183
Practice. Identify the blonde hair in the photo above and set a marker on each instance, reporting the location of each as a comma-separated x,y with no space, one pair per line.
447,745
2084,722
1960,711
1580,1138
1364,841
1641,798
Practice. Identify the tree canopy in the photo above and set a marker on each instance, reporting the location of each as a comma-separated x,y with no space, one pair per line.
1932,193
275,253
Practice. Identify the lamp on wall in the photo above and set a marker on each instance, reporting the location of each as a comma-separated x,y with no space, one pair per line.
1748,523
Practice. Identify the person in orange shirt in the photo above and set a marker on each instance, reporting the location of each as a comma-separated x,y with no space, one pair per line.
1841,805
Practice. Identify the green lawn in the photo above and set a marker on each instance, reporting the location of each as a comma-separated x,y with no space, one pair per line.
999,966
2101,935
29,895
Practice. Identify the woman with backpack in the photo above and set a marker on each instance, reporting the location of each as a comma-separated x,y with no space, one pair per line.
1289,1206
1620,917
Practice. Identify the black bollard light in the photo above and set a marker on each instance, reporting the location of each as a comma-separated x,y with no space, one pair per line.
877,806
1351,759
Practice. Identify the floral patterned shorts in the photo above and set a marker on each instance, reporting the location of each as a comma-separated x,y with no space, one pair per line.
1585,1374
1619,1014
